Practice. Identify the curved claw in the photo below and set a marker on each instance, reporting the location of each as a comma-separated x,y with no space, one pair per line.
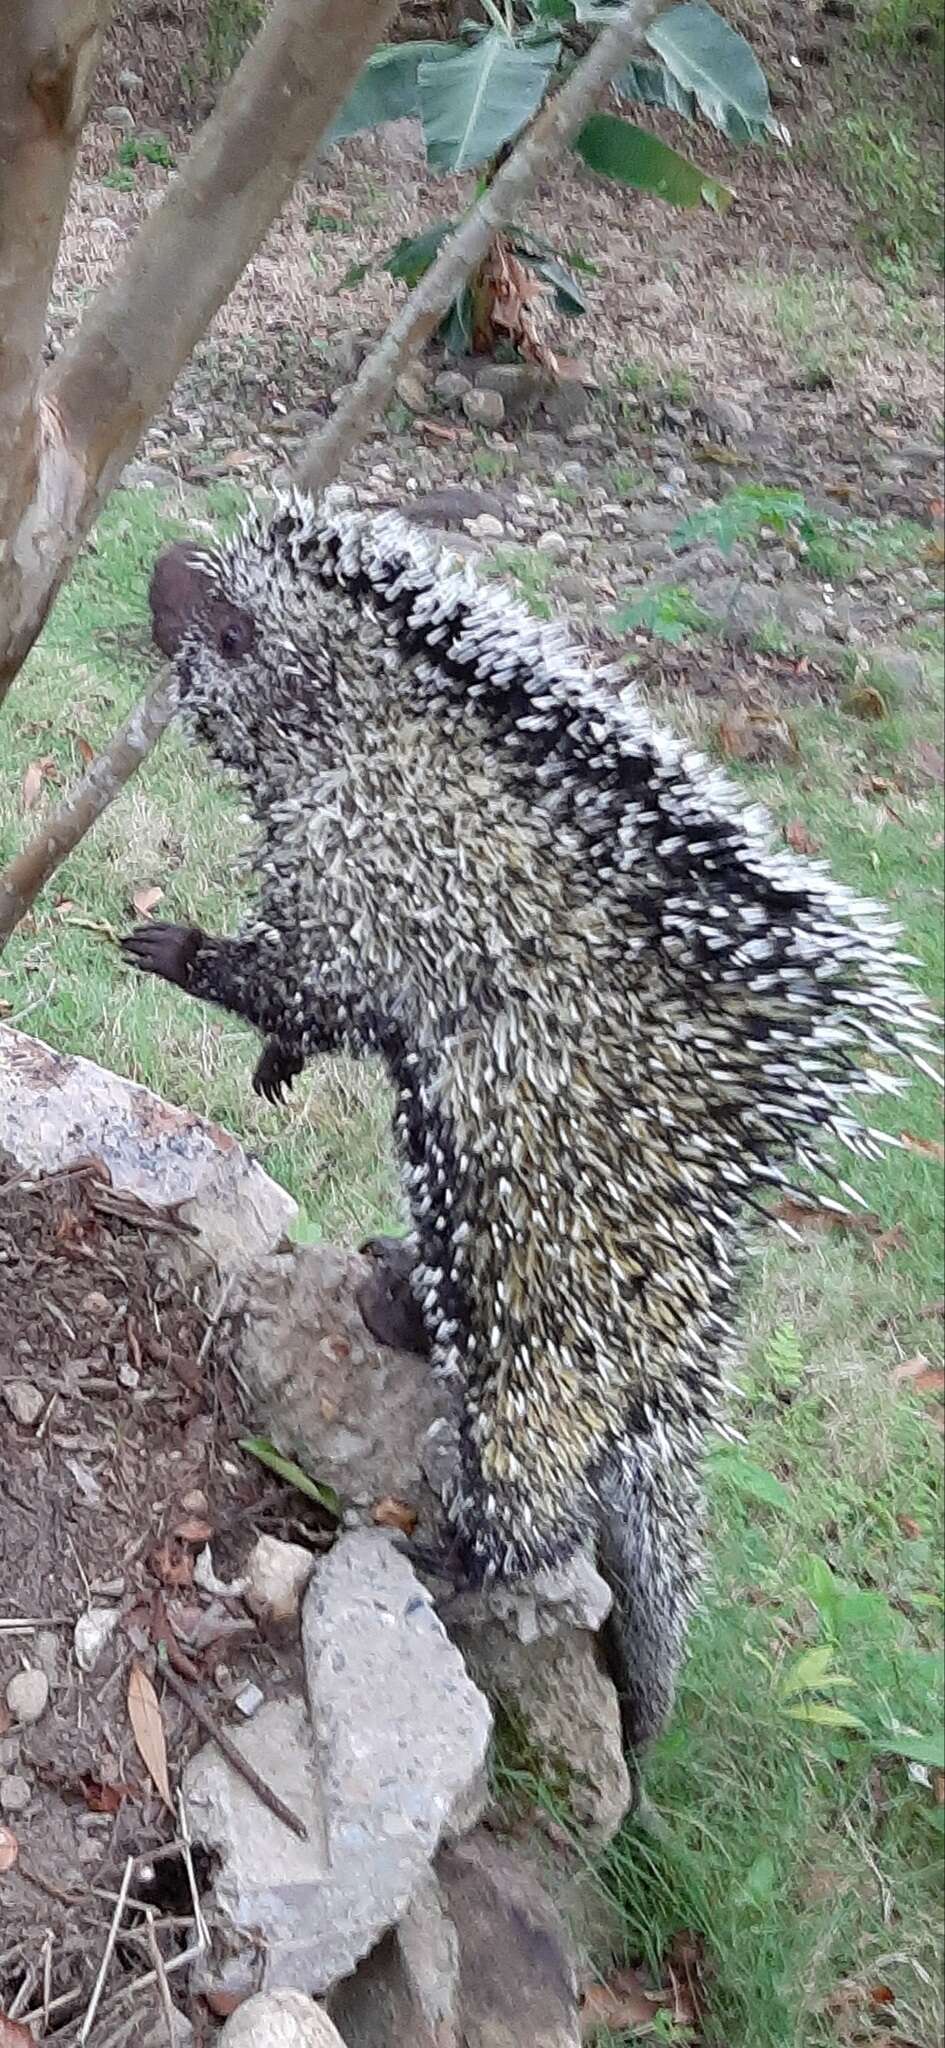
275,1072
165,950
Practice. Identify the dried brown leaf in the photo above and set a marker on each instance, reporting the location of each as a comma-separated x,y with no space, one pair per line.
145,900
929,1147
172,1564
9,1849
194,1530
867,702
622,2002
918,1373
36,775
811,1218
85,749
101,1798
147,1727
394,1514
894,1240
799,838
756,735
910,1528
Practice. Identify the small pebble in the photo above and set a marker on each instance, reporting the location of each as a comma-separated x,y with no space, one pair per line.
484,408
248,1700
485,526
24,1401
554,543
92,1631
27,1695
15,1794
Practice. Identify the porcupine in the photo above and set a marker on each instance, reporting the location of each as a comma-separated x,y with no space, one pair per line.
613,1015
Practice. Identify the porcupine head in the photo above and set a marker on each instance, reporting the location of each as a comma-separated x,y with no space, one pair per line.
614,1015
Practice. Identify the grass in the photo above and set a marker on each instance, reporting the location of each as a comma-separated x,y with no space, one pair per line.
802,1852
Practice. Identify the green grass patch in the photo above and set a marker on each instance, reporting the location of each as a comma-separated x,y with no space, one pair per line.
668,611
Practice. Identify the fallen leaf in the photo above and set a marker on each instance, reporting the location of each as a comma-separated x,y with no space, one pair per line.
101,1798
172,1564
438,430
194,1530
9,1849
222,2003
36,774
394,1514
147,1728
880,1994
929,1147
85,749
894,1240
917,1372
910,1528
799,838
146,900
622,2002
62,906
685,1968
762,735
816,1220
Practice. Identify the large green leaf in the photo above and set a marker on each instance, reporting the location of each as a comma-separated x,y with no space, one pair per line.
618,149
476,99
386,89
714,63
654,86
414,254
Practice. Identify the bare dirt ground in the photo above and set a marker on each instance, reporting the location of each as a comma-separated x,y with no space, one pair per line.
109,1496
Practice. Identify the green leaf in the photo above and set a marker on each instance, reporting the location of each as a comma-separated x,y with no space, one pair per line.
414,254
751,1479
618,149
919,1749
260,1447
714,63
654,86
759,1881
569,297
810,1671
455,329
825,1716
386,89
475,99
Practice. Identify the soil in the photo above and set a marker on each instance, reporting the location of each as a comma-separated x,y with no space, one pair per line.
109,1495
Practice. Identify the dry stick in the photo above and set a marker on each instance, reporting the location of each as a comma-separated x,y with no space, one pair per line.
511,188
164,1991
225,1743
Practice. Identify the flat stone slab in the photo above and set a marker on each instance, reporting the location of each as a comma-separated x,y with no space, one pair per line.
57,1108
385,1765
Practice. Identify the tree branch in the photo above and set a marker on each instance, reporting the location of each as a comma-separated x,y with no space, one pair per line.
48,53
513,185
101,392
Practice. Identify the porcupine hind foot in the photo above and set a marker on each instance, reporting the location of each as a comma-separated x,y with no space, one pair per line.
386,1299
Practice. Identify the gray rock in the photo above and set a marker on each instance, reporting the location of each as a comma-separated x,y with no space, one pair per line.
407,1990
56,1108
484,408
119,117
92,1632
921,454
280,2019
450,387
25,1402
726,420
567,1706
147,475
901,664
15,1794
481,1960
412,391
28,1696
486,527
517,1981
129,81
324,1388
277,1574
454,505
522,387
402,1732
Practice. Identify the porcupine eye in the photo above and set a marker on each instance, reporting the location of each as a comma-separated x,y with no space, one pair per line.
236,637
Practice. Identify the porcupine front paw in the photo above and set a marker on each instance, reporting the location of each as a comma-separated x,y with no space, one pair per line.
276,1069
386,1299
165,950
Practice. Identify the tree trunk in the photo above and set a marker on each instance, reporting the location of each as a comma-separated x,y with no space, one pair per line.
513,185
48,53
92,406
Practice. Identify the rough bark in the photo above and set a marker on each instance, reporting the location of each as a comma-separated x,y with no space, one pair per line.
92,406
512,187
48,53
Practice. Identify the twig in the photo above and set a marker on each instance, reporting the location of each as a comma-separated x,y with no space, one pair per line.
216,1318
183,1820
227,1746
163,1987
47,1974
44,1884
86,2027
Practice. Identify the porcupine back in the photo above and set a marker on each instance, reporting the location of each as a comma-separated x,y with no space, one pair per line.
614,1013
